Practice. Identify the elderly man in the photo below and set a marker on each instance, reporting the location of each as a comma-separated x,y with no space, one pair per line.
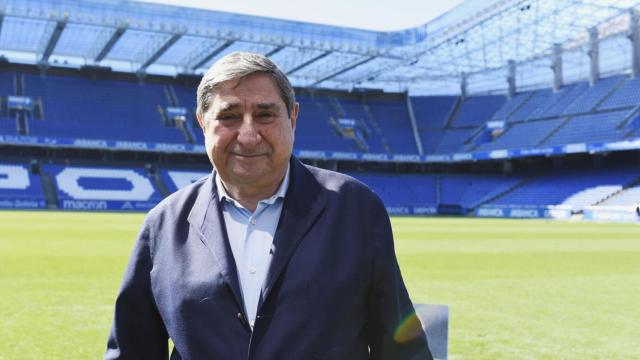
266,258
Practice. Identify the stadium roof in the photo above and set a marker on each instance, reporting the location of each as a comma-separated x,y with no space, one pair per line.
477,38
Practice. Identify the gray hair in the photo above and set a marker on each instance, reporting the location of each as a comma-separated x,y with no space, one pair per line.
239,65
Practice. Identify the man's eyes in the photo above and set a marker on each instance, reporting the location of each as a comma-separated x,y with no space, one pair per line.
264,114
228,117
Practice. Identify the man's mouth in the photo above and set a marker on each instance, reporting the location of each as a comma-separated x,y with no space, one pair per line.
248,155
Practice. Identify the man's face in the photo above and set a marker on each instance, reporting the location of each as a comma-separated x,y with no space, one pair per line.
248,133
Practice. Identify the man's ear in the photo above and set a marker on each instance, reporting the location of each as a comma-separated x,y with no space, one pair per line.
294,115
200,119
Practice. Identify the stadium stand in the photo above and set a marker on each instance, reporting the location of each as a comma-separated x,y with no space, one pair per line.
590,128
578,113
625,197
393,119
401,190
183,96
177,179
559,101
446,124
522,135
505,111
453,140
7,125
475,111
432,112
127,119
471,191
317,127
626,95
593,96
19,188
577,188
100,109
535,101
103,188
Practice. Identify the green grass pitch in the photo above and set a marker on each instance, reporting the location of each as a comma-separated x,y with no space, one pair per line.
517,289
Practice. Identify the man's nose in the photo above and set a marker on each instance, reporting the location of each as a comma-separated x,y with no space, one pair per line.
248,134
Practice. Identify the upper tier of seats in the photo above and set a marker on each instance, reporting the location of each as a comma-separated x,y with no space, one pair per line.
113,110
77,107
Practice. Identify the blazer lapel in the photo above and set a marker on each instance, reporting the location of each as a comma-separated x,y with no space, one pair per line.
303,204
206,216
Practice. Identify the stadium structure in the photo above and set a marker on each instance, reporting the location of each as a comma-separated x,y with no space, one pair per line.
497,108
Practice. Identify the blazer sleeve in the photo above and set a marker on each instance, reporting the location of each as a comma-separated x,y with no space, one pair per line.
137,331
395,331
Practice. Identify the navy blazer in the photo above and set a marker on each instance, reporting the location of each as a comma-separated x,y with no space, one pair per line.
333,291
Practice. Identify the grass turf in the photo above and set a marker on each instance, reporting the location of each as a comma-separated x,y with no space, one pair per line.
517,289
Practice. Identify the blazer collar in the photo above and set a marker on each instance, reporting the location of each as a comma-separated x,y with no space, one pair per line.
206,216
302,206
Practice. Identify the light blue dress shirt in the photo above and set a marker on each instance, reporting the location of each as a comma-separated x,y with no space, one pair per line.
251,238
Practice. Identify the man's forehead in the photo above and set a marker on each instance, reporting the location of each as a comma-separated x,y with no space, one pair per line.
247,92
256,82
232,105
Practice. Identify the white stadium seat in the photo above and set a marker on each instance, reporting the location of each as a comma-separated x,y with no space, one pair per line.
14,177
68,182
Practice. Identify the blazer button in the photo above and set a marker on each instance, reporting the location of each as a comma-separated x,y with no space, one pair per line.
241,318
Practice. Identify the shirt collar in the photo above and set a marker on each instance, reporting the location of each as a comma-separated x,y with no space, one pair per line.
282,190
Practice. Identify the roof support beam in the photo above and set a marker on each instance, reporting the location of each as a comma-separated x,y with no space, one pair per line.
274,51
53,40
343,70
634,36
557,67
111,43
159,52
308,62
594,54
511,78
213,54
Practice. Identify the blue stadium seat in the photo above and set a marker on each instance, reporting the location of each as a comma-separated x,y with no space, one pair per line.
453,140
81,108
8,126
430,140
511,105
431,111
522,135
559,101
535,101
554,189
7,86
469,191
593,96
314,130
175,179
19,188
392,117
628,94
591,128
401,189
103,188
477,110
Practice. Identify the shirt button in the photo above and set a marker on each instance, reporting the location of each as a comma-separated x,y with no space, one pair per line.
252,270
253,221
